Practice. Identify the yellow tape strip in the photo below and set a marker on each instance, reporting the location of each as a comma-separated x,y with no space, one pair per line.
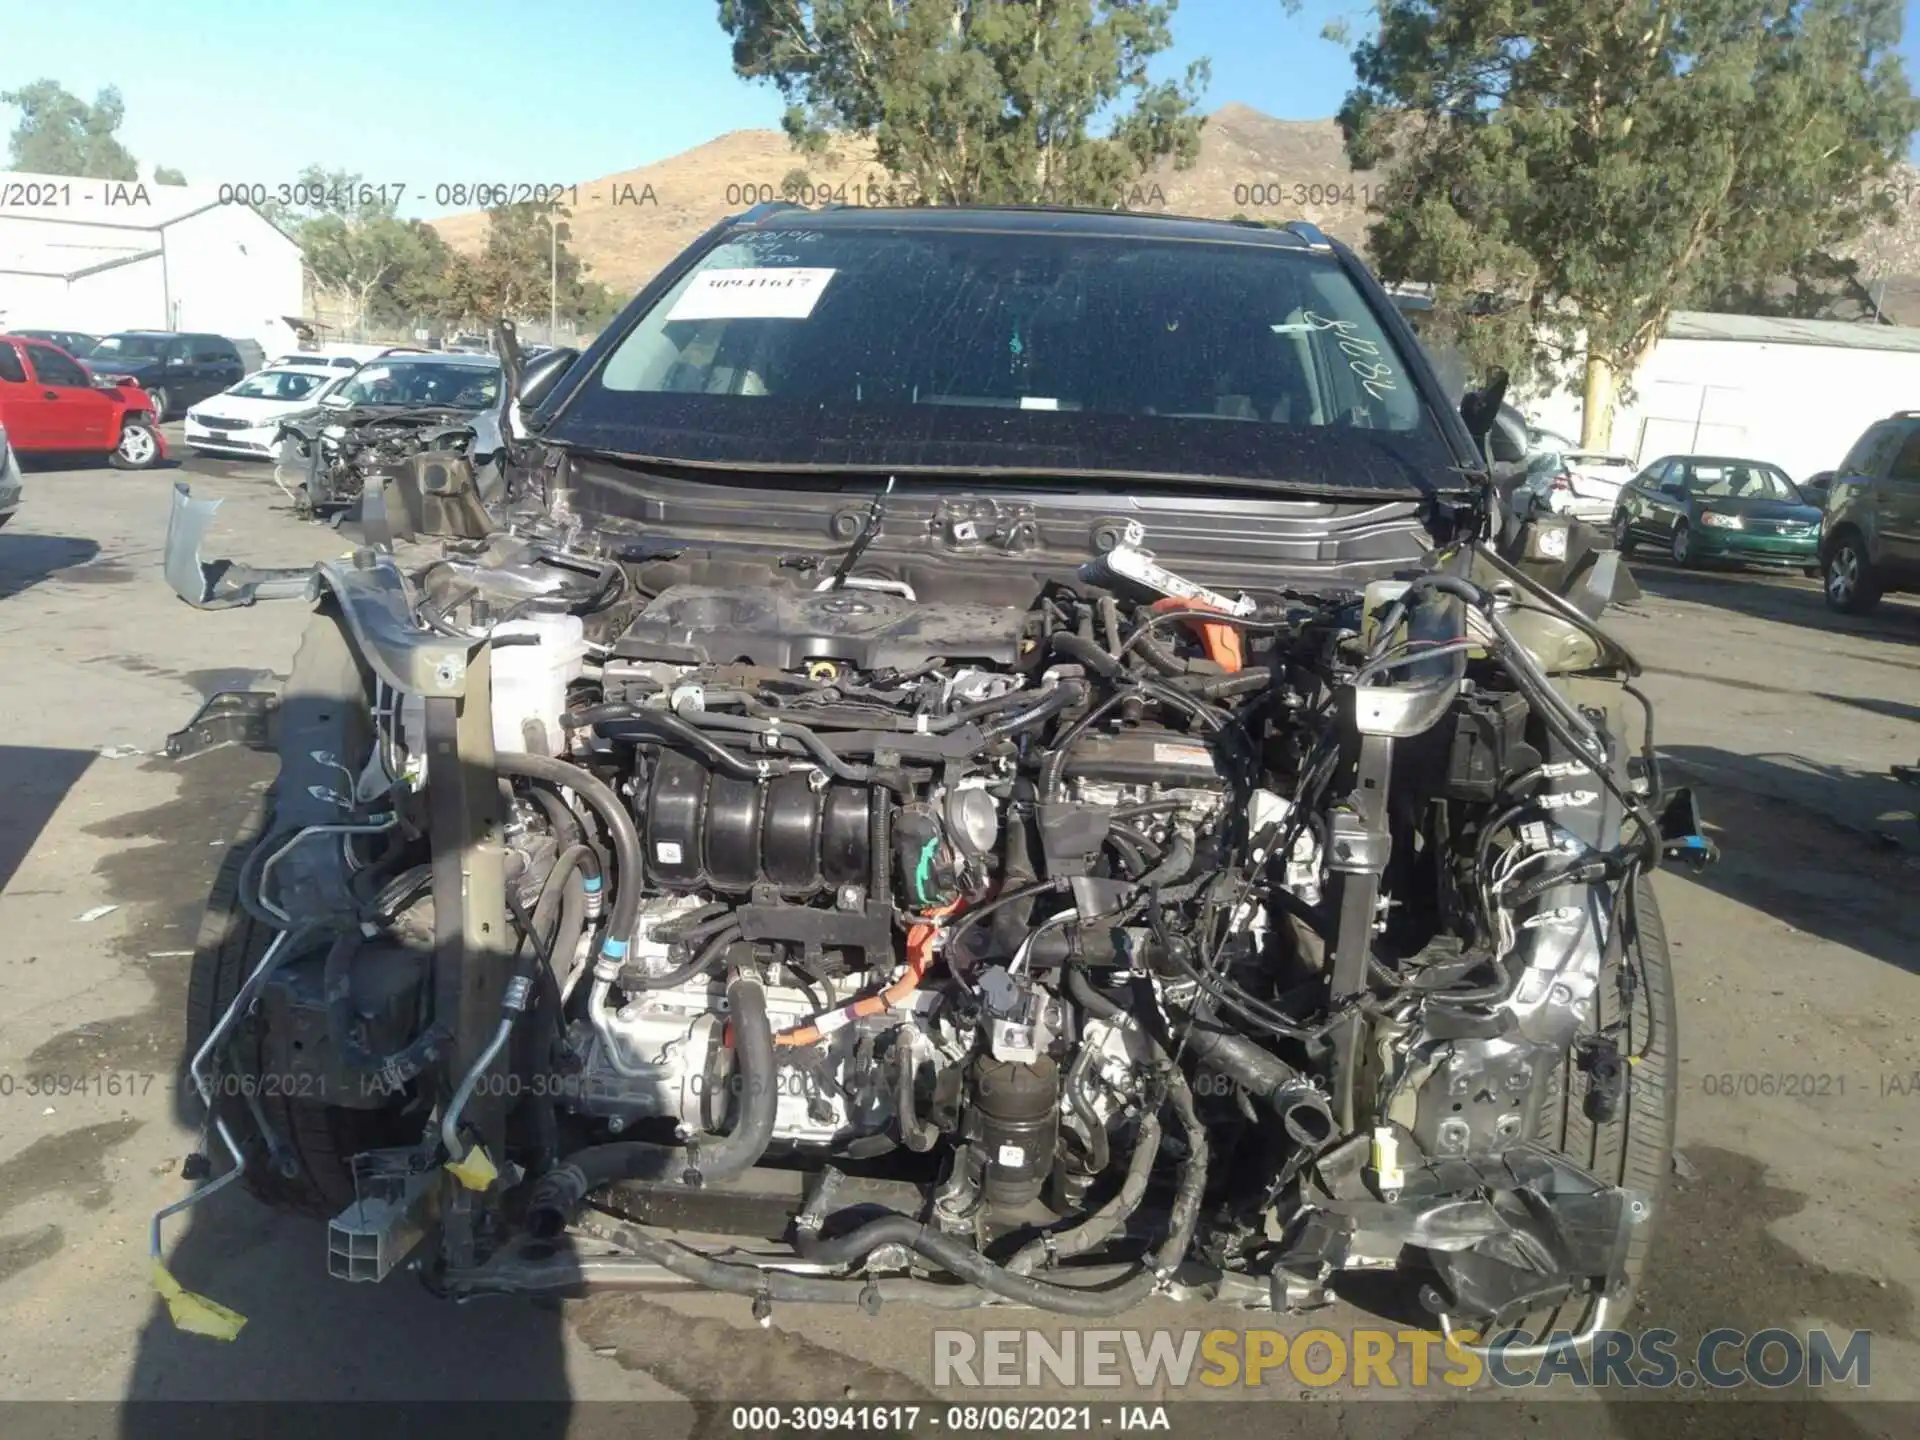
193,1313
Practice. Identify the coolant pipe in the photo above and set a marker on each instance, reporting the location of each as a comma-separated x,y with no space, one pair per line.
1303,1109
1056,699
625,906
512,1003
705,1158
623,721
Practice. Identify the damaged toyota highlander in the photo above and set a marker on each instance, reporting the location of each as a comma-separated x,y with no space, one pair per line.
985,756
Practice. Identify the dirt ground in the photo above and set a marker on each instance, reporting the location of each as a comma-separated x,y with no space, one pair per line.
1796,1201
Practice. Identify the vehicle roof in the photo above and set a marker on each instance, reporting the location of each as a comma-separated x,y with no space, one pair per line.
1716,460
444,357
1032,220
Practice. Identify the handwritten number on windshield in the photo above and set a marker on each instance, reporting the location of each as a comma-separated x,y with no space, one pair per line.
1375,377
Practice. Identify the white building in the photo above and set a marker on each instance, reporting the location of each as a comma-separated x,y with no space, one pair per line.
106,255
1796,392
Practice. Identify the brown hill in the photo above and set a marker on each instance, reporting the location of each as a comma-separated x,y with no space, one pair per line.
626,226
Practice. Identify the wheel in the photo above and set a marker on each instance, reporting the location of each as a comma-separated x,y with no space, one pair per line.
320,1139
1683,544
1635,1148
1622,532
1849,580
158,394
139,447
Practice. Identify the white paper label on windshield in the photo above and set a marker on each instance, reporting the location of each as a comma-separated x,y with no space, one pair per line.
779,294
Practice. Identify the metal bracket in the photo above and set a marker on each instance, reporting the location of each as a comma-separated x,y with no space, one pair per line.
232,717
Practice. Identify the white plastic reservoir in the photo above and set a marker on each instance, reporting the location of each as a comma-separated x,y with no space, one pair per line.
530,682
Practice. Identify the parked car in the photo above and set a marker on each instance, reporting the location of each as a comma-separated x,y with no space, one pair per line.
12,486
1585,484
75,342
1870,540
1713,507
50,404
176,368
390,408
245,419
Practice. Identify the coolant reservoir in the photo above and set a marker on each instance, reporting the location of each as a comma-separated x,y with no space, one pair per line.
530,681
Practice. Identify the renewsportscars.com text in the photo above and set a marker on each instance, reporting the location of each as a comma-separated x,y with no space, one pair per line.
1390,1359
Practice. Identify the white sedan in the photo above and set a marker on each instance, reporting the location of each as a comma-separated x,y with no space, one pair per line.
1585,484
245,419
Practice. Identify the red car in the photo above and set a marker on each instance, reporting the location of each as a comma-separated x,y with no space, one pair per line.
50,404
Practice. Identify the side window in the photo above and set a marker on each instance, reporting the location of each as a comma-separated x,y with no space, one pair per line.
1872,450
1906,464
50,367
210,350
11,370
1656,474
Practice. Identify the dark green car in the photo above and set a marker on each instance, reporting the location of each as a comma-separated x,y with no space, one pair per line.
1715,507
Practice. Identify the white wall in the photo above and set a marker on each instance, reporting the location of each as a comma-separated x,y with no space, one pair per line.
231,273
1800,406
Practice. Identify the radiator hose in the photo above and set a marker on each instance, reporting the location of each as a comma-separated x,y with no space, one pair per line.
706,1158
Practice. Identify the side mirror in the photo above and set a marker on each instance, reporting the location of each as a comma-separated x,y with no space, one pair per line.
1481,408
541,375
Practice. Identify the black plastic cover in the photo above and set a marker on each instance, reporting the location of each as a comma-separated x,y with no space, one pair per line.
782,630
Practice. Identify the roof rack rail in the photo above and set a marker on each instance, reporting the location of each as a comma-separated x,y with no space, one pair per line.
1310,233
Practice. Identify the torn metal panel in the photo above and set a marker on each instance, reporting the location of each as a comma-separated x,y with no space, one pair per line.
218,584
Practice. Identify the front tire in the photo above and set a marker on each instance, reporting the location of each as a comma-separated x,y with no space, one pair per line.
161,403
1682,547
1622,533
1847,577
321,708
1635,1148
139,447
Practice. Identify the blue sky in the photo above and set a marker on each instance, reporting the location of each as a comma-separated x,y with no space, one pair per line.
412,91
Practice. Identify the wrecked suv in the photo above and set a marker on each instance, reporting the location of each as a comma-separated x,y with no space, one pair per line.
984,757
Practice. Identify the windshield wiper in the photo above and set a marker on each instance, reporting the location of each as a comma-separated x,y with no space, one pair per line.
869,532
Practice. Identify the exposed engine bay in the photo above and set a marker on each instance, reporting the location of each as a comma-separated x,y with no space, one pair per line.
1119,937
326,460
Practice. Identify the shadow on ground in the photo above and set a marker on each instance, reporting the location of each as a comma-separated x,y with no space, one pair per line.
35,781
1816,847
26,559
1767,598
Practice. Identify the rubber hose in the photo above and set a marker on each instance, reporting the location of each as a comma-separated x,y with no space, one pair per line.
1076,647
558,1196
623,722
830,760
918,1134
1245,683
1178,861
624,903
1100,1226
970,1265
1061,696
1302,1109
709,955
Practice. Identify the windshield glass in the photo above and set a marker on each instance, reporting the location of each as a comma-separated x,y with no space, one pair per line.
282,385
132,347
421,383
1739,480
931,348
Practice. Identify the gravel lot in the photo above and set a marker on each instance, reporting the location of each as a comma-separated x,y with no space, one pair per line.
1798,956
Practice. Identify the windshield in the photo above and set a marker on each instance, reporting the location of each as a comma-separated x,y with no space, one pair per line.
282,385
132,347
1055,351
421,384
1739,480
